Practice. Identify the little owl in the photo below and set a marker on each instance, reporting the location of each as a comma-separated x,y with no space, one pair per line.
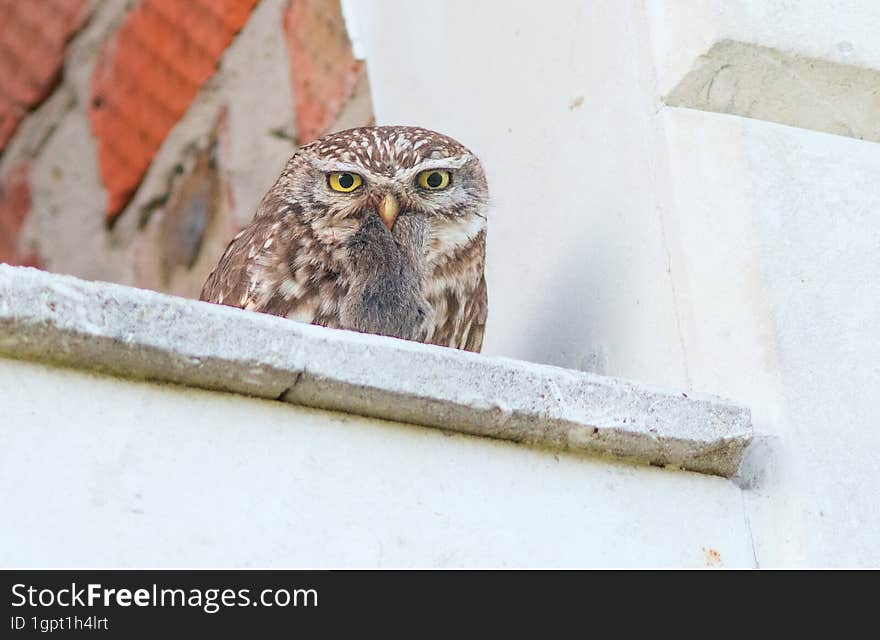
378,229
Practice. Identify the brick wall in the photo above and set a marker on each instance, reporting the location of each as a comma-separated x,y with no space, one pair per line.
33,36
136,138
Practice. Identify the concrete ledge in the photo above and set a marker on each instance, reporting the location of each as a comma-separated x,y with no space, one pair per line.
752,81
142,334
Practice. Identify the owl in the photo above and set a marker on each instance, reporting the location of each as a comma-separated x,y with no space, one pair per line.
377,229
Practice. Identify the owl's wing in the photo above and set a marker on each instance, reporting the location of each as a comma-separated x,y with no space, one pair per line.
228,282
251,271
474,325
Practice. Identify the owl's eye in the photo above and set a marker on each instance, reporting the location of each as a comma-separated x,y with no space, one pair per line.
433,179
344,181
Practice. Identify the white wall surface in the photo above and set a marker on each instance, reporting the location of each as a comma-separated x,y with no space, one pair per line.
553,101
102,472
836,30
668,245
794,330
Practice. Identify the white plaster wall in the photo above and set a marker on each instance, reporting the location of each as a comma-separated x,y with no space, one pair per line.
96,471
553,101
836,30
793,329
669,245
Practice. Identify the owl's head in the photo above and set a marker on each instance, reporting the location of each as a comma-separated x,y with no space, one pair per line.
389,173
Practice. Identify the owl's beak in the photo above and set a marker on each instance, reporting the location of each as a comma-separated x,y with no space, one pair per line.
388,210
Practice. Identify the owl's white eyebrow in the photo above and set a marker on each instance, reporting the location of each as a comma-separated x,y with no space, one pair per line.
433,163
331,166
442,163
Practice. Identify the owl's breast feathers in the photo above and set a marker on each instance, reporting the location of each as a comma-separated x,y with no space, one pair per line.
456,292
410,286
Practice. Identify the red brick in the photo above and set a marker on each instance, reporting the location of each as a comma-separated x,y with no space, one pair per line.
15,205
146,77
33,36
323,69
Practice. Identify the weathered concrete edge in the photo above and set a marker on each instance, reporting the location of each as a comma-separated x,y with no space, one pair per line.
142,334
748,80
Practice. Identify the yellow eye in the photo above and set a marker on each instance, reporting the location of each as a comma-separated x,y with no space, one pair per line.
344,181
434,179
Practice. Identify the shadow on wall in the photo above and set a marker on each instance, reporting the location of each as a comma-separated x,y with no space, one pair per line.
577,293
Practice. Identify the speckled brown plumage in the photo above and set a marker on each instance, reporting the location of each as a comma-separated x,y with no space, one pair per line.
317,255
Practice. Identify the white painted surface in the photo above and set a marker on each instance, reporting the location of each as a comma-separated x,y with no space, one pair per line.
101,472
553,103
836,30
666,245
796,335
